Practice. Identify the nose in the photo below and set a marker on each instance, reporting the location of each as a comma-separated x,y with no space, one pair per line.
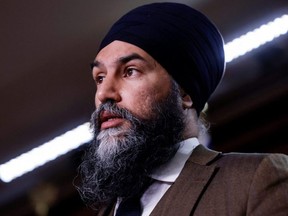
107,90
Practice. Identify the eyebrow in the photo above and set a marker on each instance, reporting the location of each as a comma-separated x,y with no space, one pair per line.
94,64
121,60
130,57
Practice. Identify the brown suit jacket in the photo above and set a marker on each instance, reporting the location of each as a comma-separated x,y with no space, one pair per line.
235,184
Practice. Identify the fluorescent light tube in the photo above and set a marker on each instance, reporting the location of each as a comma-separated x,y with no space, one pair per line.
253,39
44,153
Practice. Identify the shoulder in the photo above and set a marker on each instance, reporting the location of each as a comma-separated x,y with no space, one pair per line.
254,160
264,173
201,154
240,162
254,183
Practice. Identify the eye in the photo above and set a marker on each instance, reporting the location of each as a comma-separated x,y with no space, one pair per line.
130,72
99,79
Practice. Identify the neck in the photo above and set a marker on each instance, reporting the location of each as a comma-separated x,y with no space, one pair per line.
191,124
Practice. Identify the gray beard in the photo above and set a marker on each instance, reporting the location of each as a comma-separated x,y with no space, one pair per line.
117,163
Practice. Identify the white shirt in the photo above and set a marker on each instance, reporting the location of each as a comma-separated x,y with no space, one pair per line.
165,176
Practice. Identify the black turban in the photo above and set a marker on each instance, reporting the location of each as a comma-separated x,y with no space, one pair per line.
179,38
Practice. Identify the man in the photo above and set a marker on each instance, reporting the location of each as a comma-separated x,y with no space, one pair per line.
154,72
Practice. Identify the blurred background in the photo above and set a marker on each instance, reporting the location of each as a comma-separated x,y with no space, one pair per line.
46,88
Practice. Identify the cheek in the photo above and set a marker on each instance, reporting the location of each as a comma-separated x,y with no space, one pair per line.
96,101
141,102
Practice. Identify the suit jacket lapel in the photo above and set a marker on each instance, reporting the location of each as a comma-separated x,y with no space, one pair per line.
189,186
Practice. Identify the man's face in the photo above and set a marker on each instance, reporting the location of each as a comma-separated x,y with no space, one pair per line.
137,123
129,76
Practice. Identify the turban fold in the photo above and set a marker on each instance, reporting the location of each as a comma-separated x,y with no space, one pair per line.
180,39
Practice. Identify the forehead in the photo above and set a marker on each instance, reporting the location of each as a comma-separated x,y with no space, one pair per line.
118,49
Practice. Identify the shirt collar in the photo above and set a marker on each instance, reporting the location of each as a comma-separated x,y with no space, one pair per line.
170,171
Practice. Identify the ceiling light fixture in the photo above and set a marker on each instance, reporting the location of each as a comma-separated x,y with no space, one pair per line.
253,39
48,151
81,135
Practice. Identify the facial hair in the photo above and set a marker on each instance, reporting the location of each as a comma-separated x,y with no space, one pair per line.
118,162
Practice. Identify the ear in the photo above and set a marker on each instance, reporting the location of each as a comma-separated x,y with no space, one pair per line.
186,99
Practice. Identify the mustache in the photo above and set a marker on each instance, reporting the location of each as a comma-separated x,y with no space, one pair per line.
114,109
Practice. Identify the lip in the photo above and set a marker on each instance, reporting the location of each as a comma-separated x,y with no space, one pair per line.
109,120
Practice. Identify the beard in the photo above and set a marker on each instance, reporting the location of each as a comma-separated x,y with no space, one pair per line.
119,160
